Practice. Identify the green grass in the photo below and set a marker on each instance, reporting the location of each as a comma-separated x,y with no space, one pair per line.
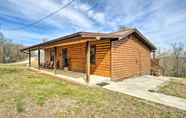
19,104
175,87
24,93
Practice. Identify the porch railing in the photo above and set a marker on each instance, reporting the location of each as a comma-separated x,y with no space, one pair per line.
156,69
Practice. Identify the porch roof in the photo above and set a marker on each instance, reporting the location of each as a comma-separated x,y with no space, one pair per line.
91,36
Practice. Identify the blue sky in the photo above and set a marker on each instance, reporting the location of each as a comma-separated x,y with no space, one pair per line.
162,21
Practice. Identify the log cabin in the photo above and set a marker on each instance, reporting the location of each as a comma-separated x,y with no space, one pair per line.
116,55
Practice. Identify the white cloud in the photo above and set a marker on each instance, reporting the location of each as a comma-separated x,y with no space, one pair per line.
29,38
97,16
23,36
157,19
83,7
33,10
161,20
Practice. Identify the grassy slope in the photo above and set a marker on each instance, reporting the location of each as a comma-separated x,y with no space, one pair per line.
175,88
29,94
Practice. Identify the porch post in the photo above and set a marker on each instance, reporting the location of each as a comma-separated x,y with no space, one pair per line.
55,63
153,54
87,61
29,58
39,58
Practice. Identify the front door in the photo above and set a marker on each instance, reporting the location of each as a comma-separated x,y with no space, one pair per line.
65,57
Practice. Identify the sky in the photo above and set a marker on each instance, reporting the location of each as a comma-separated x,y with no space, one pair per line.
162,21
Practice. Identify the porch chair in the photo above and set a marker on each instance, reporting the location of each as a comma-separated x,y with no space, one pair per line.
51,65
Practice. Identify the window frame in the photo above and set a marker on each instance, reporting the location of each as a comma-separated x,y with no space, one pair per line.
93,56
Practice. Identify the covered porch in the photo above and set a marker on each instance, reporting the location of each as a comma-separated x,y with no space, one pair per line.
76,67
51,61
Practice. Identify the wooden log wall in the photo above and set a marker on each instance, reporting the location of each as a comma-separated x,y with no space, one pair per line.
103,58
130,57
77,57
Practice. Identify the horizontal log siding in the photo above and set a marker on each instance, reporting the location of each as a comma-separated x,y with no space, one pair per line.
76,54
129,57
102,66
77,57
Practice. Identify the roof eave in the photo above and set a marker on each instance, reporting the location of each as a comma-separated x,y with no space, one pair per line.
153,47
92,35
51,41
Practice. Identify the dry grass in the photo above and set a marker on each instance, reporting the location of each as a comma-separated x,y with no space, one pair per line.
175,87
24,93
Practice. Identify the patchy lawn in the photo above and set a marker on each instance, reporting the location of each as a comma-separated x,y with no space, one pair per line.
25,93
175,87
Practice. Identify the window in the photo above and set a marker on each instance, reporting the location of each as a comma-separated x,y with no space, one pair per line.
93,54
65,57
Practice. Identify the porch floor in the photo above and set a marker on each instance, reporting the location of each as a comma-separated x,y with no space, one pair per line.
74,77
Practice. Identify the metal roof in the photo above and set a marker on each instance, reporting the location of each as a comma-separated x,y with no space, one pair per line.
113,35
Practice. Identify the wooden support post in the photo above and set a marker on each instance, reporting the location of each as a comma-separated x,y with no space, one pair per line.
39,61
29,58
55,61
87,61
153,54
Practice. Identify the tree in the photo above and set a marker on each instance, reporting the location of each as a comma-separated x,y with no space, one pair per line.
9,51
178,49
1,47
44,40
123,27
1,36
173,60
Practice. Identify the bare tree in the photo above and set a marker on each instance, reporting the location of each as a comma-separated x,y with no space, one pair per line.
178,49
44,40
9,51
123,27
173,61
